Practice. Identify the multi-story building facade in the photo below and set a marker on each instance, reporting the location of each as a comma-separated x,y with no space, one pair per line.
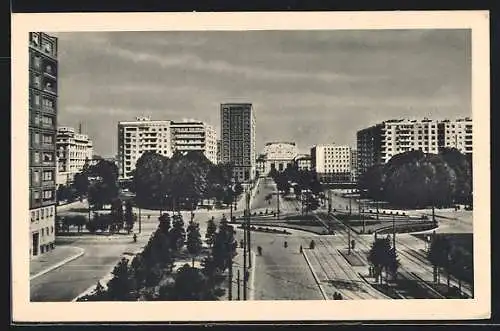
192,135
369,147
354,165
139,136
219,147
278,155
43,67
238,139
332,163
303,162
163,137
457,134
74,150
379,143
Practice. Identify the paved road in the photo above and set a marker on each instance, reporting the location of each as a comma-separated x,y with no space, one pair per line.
101,255
282,273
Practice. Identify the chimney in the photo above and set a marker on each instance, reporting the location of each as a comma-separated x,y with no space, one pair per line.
80,127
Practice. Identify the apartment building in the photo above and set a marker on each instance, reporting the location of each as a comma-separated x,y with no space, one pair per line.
379,143
192,135
139,136
163,137
238,139
74,150
332,163
354,165
43,67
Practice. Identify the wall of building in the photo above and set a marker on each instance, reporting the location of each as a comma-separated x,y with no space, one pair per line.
332,163
42,140
238,139
73,152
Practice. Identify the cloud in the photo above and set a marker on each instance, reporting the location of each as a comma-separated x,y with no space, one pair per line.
307,86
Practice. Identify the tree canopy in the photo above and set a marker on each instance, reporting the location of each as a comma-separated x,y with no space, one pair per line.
417,180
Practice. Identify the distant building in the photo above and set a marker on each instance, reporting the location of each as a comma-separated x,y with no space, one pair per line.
332,163
278,155
303,162
219,147
354,165
192,135
139,136
43,74
238,139
73,151
379,143
163,137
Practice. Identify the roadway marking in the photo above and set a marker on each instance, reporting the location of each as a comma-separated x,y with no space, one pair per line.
325,296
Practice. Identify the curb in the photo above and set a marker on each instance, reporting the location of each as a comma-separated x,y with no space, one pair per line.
109,275
325,297
60,264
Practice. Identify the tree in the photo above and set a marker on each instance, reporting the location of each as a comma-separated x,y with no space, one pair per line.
177,234
211,232
189,285
224,247
151,181
81,183
439,255
165,223
117,213
129,216
193,242
379,256
121,286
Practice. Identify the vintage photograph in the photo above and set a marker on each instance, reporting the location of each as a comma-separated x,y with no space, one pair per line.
257,165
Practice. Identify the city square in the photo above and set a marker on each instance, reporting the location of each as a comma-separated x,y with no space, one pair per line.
222,190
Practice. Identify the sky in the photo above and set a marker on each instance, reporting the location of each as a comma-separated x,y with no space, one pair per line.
310,87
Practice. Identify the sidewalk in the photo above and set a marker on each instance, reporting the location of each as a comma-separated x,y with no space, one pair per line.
53,259
238,266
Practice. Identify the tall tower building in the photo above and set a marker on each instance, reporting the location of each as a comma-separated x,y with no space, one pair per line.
238,139
42,141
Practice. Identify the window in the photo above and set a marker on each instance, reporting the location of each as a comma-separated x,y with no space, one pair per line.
37,214
43,233
47,231
36,138
37,81
48,157
36,177
37,62
51,229
33,216
47,175
47,194
48,139
42,213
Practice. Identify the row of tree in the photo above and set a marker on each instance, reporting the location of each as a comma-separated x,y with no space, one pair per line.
418,180
182,181
150,276
448,258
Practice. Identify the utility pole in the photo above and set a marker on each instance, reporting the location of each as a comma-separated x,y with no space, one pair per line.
278,202
230,280
140,220
348,240
244,261
238,280
248,230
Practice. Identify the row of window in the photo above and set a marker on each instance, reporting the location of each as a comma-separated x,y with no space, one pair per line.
46,175
45,138
38,82
42,213
46,65
37,100
44,156
45,195
43,120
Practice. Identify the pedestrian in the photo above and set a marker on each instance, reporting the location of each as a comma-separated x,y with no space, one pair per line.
135,237
300,249
285,244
